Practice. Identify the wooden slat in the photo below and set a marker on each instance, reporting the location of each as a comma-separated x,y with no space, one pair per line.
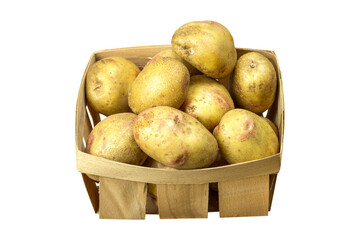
90,164
80,114
151,205
93,191
120,199
245,197
272,182
183,200
95,116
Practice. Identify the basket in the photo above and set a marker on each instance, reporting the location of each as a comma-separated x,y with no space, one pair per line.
244,189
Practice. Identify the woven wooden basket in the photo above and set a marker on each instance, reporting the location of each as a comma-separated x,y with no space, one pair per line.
244,189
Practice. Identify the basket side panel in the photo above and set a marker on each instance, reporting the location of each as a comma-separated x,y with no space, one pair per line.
183,200
244,197
121,199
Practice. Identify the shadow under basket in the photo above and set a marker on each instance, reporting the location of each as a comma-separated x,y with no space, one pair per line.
243,189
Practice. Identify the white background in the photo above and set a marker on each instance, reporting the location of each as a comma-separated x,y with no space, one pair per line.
45,47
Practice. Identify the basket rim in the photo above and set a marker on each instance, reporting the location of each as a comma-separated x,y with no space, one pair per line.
90,164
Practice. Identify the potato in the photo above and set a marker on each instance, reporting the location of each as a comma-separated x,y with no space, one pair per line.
273,126
208,46
172,54
107,84
113,139
253,86
152,189
164,82
174,138
207,101
243,136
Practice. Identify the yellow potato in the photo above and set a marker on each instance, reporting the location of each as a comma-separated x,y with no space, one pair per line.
164,82
253,86
175,138
113,139
172,54
273,126
207,101
107,84
243,136
208,46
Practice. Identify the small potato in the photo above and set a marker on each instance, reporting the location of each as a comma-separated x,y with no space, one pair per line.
107,84
243,136
164,82
208,46
253,86
174,138
172,54
113,139
207,101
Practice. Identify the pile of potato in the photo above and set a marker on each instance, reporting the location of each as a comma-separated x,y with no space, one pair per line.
176,113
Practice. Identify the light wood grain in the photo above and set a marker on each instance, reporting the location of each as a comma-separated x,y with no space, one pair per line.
183,200
93,191
120,199
272,182
103,167
244,197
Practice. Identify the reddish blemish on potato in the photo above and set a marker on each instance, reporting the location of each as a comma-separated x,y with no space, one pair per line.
161,125
137,135
221,98
249,129
89,142
181,159
153,60
237,86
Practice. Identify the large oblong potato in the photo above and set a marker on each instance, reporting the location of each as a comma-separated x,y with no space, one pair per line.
175,138
107,84
243,136
253,86
207,101
208,46
164,82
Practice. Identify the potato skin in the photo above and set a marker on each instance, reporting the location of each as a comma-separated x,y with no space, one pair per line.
244,136
253,86
107,83
164,82
113,139
273,126
207,101
175,138
172,54
208,46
